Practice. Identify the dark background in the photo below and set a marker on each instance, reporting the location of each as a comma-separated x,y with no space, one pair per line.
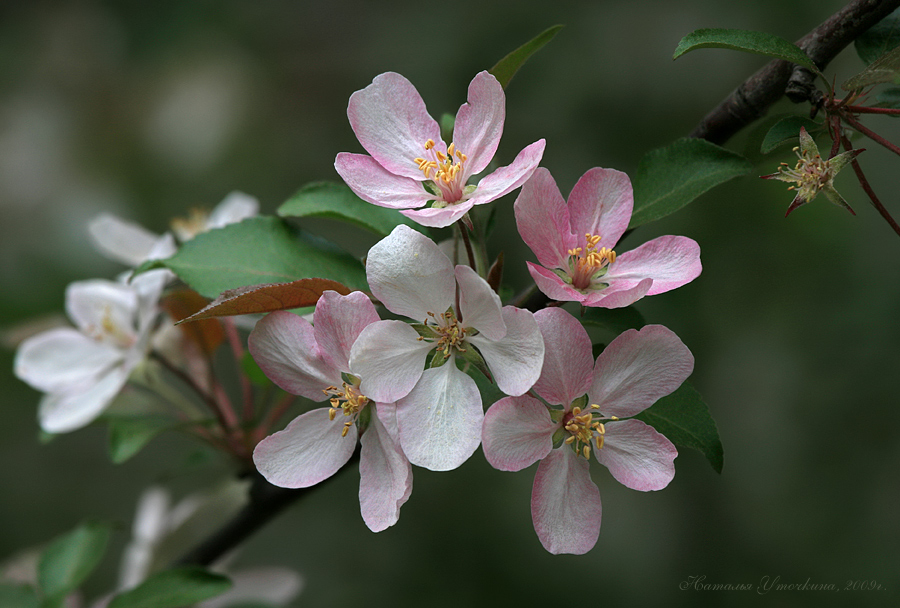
150,109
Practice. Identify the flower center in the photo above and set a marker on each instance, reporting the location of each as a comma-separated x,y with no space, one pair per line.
186,228
444,170
584,428
447,330
588,264
811,173
110,332
350,400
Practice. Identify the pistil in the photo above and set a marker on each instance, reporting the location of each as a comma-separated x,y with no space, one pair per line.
445,170
586,264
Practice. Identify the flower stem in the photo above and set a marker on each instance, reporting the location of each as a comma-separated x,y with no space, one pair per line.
868,189
869,133
237,349
468,243
868,110
225,416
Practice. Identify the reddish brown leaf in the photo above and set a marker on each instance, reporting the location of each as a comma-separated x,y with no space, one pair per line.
267,298
495,274
184,302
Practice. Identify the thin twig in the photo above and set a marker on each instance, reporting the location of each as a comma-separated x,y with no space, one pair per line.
226,418
869,133
868,189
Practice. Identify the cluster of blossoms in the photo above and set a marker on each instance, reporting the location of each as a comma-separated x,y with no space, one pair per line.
403,389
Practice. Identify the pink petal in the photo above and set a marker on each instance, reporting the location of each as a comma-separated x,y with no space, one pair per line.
410,276
95,304
479,122
120,240
389,358
542,218
440,420
553,286
63,358
392,124
338,322
438,217
517,432
671,261
284,346
565,504
504,180
568,366
375,184
308,451
637,368
78,407
637,455
601,204
619,294
385,477
515,360
479,305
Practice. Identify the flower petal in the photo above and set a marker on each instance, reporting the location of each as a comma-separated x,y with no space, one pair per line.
97,306
410,275
552,286
392,124
385,477
266,586
308,451
601,204
338,322
568,365
671,261
73,409
506,179
63,358
375,184
542,218
120,240
637,368
479,122
479,305
622,293
565,504
389,358
440,419
517,432
637,455
438,217
234,208
284,346
515,361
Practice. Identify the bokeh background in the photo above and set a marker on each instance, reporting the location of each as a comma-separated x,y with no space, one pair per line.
148,110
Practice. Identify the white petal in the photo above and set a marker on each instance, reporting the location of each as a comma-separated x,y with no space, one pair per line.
440,420
64,412
234,208
637,455
120,240
103,308
516,360
389,358
479,305
338,322
269,586
385,475
63,358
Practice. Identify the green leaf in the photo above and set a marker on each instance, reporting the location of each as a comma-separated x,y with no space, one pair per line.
129,434
684,418
614,320
258,250
883,70
337,201
173,589
69,560
671,177
507,67
18,596
787,130
760,43
879,39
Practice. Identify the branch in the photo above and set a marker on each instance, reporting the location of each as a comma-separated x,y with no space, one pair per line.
752,99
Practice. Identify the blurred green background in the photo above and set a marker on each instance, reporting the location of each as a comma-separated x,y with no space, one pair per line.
150,109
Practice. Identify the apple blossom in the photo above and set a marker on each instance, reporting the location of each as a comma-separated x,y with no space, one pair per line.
82,369
312,361
439,410
635,370
574,242
410,165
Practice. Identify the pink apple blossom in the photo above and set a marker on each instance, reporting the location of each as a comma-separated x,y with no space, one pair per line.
574,241
439,410
635,370
410,165
313,361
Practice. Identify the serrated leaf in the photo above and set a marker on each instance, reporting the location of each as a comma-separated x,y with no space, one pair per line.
337,201
255,299
507,67
128,435
173,589
684,418
69,560
760,43
18,596
787,130
614,320
669,178
256,251
879,39
884,69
